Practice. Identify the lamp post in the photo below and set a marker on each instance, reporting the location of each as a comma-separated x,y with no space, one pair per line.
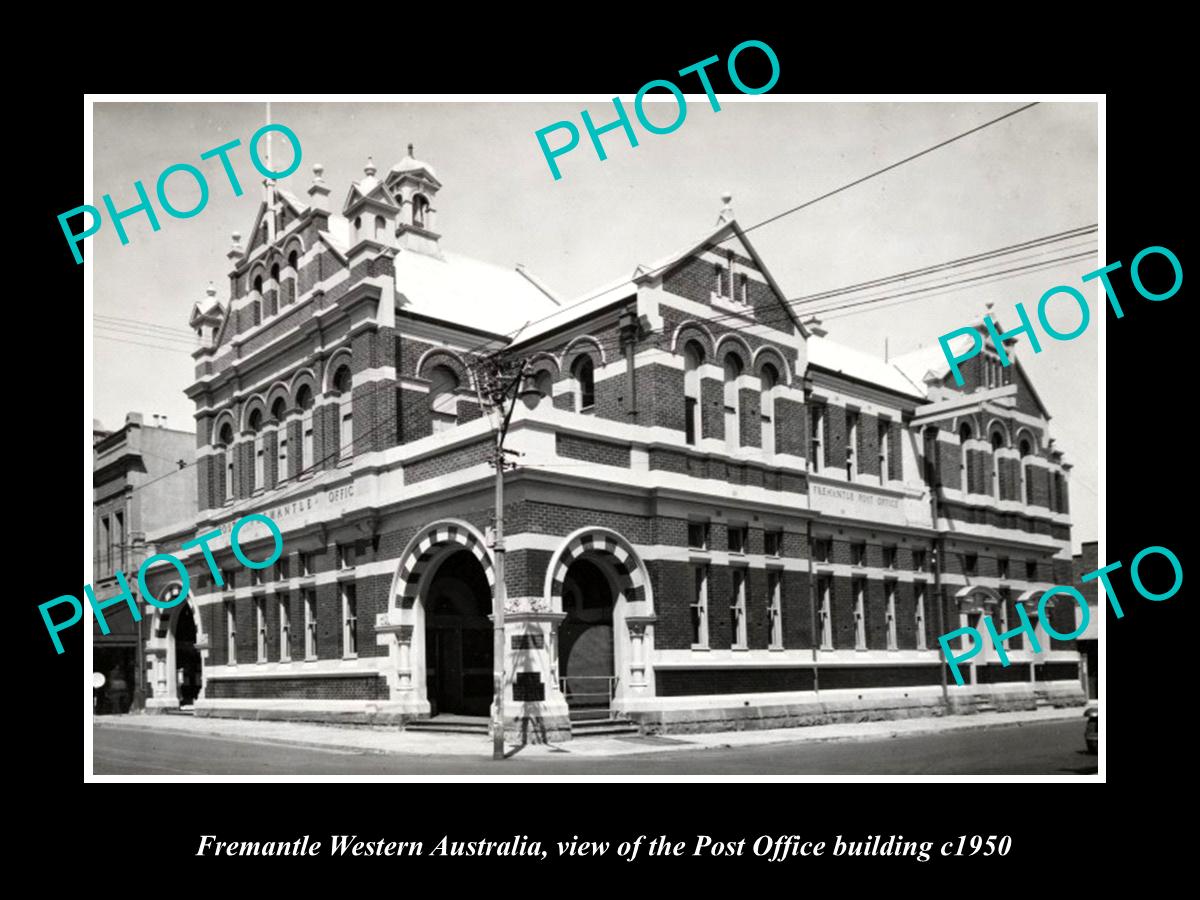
495,380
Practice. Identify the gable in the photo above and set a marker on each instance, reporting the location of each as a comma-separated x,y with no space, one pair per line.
1028,400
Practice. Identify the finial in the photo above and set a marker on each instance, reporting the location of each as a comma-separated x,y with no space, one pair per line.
237,237
988,306
211,290
727,211
318,171
369,168
410,150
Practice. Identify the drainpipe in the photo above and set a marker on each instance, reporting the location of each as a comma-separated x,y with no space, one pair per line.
812,585
935,487
629,335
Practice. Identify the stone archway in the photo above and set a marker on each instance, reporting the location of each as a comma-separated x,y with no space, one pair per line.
974,603
175,652
596,582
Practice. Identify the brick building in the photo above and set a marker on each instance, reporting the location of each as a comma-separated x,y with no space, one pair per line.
718,516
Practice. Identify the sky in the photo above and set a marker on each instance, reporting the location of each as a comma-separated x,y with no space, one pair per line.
1030,175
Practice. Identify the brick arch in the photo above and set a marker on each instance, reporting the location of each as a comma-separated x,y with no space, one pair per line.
1033,440
255,402
731,342
767,354
971,420
335,363
425,549
693,331
222,418
582,344
442,356
303,377
542,360
294,243
1004,430
274,392
631,573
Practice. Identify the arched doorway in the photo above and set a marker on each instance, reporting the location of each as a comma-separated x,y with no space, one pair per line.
586,664
458,637
187,657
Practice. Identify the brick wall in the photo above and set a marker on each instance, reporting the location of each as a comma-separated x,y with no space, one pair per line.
592,450
462,457
356,687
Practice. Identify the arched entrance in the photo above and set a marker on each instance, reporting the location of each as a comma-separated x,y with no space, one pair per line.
587,668
187,657
174,656
458,636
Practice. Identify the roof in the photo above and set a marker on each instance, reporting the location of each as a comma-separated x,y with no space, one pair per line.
468,291
408,164
861,366
919,364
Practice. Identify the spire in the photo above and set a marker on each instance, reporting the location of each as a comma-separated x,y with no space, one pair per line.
369,168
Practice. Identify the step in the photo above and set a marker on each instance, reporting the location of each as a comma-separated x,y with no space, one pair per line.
447,727
603,727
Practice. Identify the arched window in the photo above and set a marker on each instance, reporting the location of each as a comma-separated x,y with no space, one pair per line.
255,423
294,261
304,401
226,439
275,272
342,388
543,382
380,227
693,358
585,382
770,379
258,284
964,435
420,208
279,413
733,427
443,398
997,443
931,456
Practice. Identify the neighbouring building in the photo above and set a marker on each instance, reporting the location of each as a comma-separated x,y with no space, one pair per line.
141,478
717,517
1085,562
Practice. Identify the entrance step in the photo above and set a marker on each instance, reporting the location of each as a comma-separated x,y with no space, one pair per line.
181,711
450,724
602,727
985,707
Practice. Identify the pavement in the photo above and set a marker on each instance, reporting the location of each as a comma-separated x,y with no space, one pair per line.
422,744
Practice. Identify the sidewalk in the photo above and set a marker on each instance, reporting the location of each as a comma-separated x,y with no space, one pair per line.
371,740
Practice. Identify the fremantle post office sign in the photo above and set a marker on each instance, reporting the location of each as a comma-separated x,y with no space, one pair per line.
851,503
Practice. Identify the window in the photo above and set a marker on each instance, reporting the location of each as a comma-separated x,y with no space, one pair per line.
823,549
1002,566
260,626
294,261
693,357
229,576
285,629
310,625
349,620
342,387
859,588
889,589
443,398
858,553
699,606
345,556
719,280
851,443
380,228
737,608
308,562
282,569
919,595
769,379
1017,641
882,439
773,543
733,423
816,430
698,535
304,400
585,381
744,295
1031,570
119,540
255,425
230,633
824,610
971,563
964,435
105,549
775,609
889,556
997,444
226,439
279,413
275,273
256,576
919,561
258,284
420,206
738,538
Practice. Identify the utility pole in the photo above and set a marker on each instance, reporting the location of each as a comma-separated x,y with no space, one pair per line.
495,380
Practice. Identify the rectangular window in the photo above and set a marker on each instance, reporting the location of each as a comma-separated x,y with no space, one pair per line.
775,608
306,448
285,629
737,609
858,553
851,444
260,626
698,535
823,549
256,576
689,419
889,556
346,445
1031,570
859,588
119,541
889,588
738,538
773,543
308,563
919,561
345,556
104,551
310,625
825,610
281,473
971,563
229,576
882,428
282,569
350,620
229,477
699,606
719,285
816,430
1002,566
230,633
919,593
259,462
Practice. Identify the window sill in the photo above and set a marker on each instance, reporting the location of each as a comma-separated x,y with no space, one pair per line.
350,656
700,647
740,648
310,659
775,649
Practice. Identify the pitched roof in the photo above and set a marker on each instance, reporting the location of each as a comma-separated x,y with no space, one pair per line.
925,362
844,360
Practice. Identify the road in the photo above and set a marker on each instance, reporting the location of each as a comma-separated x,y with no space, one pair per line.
1051,748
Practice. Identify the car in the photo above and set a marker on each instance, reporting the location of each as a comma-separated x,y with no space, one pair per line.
1091,728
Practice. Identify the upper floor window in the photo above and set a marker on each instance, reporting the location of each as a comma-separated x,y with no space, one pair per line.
341,386
773,543
919,561
258,284
420,209
823,549
737,609
584,373
971,564
1026,472
964,435
693,357
443,398
698,535
816,430
719,280
255,423
226,438
733,425
275,273
851,444
997,444
294,261
737,538
1002,566
770,380
304,400
858,553
1031,573
380,228
279,413
889,556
